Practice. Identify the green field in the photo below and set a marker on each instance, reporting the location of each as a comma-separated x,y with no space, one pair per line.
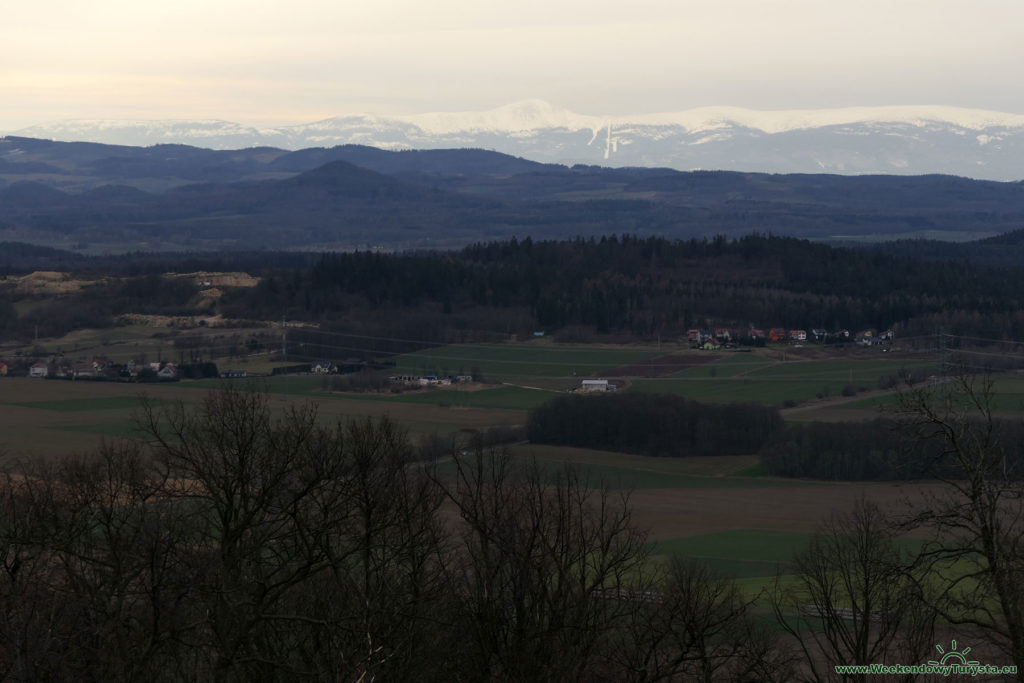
117,429
510,397
1007,397
740,544
774,383
853,371
741,389
506,361
730,365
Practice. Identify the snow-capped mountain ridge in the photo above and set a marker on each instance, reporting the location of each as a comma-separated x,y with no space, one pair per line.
538,114
893,139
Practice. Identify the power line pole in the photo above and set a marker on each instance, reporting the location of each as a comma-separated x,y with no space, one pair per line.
942,349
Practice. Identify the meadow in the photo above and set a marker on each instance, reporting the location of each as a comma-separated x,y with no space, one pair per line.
520,361
748,378
718,510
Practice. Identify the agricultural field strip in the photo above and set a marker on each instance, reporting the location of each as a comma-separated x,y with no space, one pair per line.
1008,396
794,371
627,471
502,397
511,361
74,405
54,424
739,544
632,478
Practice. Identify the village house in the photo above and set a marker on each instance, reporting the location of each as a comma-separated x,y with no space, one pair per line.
323,367
39,370
711,345
3,369
169,371
84,370
798,335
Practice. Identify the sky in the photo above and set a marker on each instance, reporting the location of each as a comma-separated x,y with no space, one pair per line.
266,62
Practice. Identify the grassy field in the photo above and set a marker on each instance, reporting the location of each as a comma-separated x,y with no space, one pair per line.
730,365
520,361
500,397
739,553
757,380
54,417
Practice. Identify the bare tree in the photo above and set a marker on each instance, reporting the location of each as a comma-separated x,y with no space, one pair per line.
698,626
976,551
29,610
853,598
317,548
91,547
548,566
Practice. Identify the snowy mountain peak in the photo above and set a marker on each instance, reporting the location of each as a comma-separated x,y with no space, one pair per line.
783,120
897,139
520,116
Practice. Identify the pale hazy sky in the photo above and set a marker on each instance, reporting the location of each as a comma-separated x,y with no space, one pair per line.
276,61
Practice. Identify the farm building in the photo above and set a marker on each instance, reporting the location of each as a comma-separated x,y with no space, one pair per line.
596,386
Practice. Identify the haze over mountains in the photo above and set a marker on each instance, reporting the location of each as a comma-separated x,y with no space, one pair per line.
863,140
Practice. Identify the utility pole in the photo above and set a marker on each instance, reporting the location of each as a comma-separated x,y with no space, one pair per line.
284,339
941,346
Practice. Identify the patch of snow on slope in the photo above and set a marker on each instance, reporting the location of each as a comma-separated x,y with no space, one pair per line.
780,121
515,117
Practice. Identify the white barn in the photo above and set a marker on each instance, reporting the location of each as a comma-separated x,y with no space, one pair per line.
596,385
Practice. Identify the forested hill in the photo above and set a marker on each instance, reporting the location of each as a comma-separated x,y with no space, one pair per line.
103,198
644,288
625,287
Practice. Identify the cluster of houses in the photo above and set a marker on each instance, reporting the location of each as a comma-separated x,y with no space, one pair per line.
723,337
102,368
430,380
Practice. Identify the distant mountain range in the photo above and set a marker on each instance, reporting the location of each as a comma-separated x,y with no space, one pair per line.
907,140
99,198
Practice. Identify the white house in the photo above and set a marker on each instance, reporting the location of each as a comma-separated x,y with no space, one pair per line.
39,370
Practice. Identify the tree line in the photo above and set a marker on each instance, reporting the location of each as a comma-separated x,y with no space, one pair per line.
644,287
666,425
631,287
653,424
